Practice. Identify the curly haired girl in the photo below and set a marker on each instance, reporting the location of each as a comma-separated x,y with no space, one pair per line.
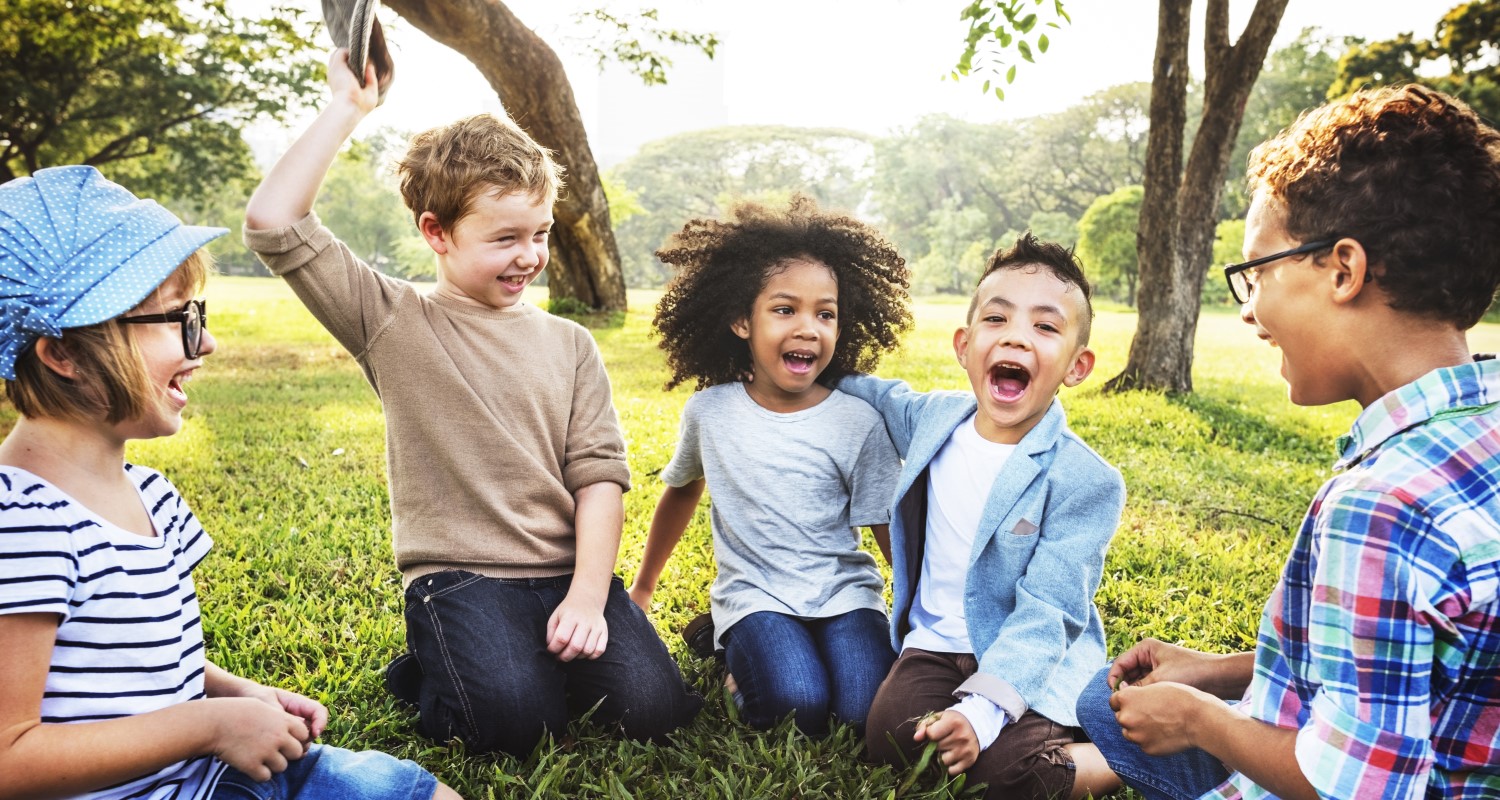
768,308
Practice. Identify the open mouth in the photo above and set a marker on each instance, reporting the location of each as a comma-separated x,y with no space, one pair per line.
175,388
1008,381
799,362
513,282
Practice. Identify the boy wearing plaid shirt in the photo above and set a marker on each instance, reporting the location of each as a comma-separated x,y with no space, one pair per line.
1374,244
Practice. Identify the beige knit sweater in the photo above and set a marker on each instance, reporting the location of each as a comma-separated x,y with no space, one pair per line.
494,418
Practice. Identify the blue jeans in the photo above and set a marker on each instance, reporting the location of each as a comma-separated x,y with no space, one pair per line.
1180,776
333,773
815,667
488,679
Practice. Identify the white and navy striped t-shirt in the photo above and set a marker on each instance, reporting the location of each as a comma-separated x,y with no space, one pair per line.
129,639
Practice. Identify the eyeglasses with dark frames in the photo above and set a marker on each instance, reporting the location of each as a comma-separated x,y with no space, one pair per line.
1241,284
193,317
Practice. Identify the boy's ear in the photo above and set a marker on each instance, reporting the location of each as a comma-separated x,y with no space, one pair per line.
54,356
1083,364
433,232
961,345
741,328
1350,270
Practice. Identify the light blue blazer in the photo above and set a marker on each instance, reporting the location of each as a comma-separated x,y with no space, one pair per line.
1038,555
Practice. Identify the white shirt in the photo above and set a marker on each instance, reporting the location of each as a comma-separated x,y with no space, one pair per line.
958,487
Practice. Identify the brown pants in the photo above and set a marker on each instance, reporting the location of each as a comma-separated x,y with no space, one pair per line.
1028,760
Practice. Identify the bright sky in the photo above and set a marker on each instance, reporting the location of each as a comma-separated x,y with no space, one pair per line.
871,65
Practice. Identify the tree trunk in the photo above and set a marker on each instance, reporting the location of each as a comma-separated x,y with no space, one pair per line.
1179,209
528,77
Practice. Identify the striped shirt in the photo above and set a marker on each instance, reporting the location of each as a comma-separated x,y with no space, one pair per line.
1381,642
129,638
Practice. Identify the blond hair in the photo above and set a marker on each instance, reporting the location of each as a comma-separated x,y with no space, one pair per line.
447,167
111,380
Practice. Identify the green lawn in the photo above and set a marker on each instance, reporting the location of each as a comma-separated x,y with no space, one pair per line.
282,458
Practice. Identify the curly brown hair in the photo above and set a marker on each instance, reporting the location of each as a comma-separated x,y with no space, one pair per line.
724,264
1414,176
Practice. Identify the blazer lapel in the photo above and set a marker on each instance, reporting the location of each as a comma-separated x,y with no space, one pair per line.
1016,477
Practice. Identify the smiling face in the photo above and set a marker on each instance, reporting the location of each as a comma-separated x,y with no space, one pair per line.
1288,308
168,369
494,252
792,330
1020,346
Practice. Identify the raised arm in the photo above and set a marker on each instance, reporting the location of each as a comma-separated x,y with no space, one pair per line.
287,193
673,513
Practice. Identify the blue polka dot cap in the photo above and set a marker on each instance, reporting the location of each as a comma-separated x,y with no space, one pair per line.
76,249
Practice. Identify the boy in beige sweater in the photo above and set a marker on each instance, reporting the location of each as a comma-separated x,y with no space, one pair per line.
506,460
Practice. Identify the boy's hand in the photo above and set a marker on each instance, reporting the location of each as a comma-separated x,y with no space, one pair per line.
344,85
257,738
958,747
641,596
1152,661
1161,718
577,629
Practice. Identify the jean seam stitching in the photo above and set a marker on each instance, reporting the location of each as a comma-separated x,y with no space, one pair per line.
453,676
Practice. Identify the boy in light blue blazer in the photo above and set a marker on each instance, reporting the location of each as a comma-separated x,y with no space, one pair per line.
1001,522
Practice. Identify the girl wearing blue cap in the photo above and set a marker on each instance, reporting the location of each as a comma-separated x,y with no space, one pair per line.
105,691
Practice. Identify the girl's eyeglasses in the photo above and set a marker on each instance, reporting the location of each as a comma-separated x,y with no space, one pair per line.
193,317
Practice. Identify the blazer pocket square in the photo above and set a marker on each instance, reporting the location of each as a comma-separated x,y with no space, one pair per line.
1024,528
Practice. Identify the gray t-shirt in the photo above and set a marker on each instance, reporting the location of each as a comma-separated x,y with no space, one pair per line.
788,492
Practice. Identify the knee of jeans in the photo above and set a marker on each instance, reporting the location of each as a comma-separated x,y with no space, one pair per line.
778,698
1092,707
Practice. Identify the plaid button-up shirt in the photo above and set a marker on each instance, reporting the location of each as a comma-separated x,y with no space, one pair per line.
1381,642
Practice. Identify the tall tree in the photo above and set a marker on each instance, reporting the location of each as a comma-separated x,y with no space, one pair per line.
528,77
115,81
1180,205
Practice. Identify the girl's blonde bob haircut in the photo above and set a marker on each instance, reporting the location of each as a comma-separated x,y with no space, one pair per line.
112,383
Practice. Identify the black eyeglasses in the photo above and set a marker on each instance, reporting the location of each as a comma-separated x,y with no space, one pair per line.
193,317
1239,278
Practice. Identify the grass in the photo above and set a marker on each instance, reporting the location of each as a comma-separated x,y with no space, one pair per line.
282,457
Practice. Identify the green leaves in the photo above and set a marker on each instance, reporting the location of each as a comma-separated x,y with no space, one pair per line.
130,79
994,27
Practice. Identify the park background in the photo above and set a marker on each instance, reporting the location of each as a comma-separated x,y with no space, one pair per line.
283,456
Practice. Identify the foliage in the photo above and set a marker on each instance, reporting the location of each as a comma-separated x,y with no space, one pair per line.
700,173
632,39
1295,79
960,246
122,80
282,458
1106,243
1467,38
981,53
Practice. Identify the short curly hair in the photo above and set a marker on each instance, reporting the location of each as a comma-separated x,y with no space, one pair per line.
724,264
1029,252
1412,174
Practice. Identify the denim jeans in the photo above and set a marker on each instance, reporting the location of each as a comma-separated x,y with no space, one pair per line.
333,773
815,667
1180,776
488,679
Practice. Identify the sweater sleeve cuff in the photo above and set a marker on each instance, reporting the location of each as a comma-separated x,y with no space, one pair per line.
997,690
596,470
285,249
